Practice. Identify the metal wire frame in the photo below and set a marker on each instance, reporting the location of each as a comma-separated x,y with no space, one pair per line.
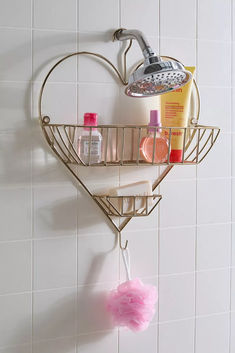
66,152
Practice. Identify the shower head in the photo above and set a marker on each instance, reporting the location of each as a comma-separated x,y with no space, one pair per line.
155,76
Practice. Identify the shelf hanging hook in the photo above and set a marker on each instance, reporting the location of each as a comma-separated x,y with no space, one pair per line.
120,242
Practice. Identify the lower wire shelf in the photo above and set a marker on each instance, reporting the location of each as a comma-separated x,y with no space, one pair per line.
128,206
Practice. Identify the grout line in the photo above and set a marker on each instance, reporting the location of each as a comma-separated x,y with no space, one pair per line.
108,283
77,191
32,190
196,191
119,182
159,206
231,214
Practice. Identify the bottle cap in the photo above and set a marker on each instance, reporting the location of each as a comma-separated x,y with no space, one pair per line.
90,119
155,119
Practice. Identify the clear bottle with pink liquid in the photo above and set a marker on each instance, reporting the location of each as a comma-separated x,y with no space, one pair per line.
90,141
147,144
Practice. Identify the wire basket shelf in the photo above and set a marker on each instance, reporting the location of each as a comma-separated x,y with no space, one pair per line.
121,144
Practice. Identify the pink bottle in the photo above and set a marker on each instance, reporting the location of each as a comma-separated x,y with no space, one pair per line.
161,142
90,145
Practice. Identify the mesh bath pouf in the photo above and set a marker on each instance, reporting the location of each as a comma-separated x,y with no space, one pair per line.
132,303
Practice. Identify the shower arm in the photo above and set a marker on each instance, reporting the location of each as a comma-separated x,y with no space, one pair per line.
124,34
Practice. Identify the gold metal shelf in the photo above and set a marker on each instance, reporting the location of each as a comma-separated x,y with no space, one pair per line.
128,206
121,144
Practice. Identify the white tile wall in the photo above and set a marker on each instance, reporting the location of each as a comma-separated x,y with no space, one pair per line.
58,257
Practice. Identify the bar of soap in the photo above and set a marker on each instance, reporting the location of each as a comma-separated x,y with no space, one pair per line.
128,205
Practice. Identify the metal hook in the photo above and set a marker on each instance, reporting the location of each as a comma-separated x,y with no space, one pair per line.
120,242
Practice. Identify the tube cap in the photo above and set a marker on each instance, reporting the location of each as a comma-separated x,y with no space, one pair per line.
176,156
90,119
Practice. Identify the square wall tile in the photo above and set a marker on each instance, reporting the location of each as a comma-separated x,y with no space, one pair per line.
213,292
98,16
15,267
25,348
15,51
44,14
214,201
149,223
15,319
219,27
233,244
98,259
129,175
47,168
232,334
233,199
15,13
178,206
15,158
96,179
48,48
92,313
178,18
144,17
55,211
233,155
176,297
177,336
93,69
143,252
213,246
132,342
104,102
106,341
177,250
60,345
208,72
59,102
54,314
218,162
212,334
91,219
216,107
55,263
182,49
15,106
180,172
233,289
15,202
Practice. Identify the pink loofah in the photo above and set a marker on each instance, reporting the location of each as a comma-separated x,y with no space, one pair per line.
132,304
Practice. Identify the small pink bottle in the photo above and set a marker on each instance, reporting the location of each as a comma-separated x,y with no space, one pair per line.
161,142
93,141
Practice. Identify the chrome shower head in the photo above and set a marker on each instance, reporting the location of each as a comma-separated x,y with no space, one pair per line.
155,76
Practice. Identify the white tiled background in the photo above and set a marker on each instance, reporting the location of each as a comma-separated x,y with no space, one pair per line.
57,252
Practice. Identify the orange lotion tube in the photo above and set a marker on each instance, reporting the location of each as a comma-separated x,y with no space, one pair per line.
174,113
